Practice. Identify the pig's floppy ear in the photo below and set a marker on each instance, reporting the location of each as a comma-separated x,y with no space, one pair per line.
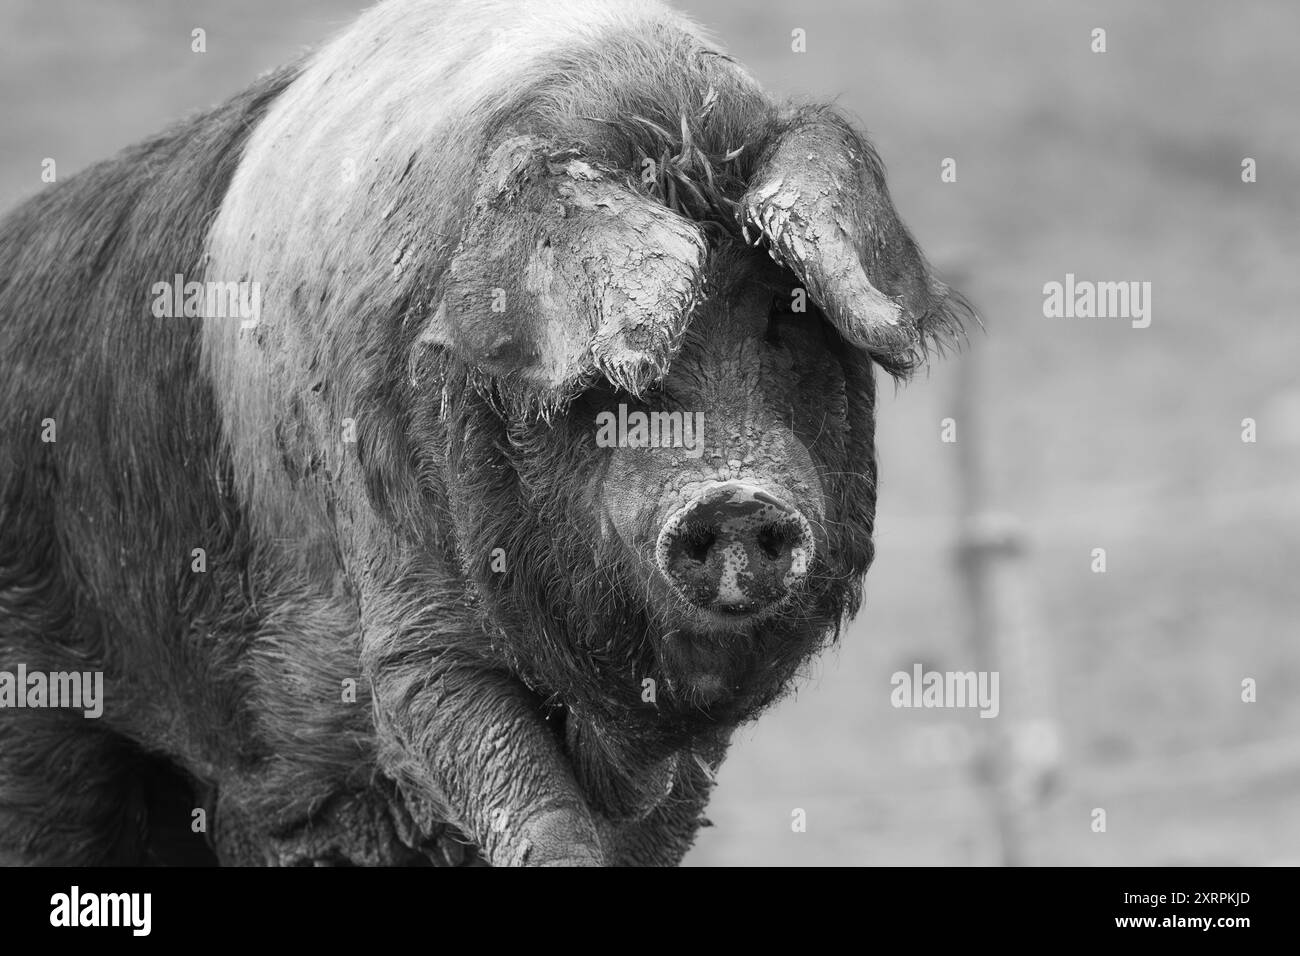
818,199
565,273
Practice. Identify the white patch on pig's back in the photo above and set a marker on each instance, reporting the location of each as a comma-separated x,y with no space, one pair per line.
354,178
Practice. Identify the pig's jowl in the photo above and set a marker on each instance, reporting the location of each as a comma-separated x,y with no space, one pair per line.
362,582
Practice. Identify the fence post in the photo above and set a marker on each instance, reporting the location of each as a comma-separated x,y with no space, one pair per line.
1019,749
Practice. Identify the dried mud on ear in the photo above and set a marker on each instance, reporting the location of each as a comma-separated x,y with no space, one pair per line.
819,201
565,273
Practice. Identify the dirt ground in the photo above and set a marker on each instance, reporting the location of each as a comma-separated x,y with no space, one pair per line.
1117,166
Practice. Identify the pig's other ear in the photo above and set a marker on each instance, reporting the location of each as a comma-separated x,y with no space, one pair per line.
818,200
565,273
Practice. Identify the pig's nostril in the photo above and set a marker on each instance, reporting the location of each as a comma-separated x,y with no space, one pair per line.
778,539
696,543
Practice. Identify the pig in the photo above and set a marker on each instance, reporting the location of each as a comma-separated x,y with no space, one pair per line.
441,447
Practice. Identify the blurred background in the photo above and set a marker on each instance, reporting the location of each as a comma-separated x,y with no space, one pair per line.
1121,690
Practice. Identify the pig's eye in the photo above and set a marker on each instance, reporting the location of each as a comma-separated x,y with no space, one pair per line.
783,319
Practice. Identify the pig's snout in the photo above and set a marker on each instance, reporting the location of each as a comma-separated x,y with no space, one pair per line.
735,549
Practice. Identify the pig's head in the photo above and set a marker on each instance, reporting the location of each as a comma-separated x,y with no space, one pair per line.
748,534
662,480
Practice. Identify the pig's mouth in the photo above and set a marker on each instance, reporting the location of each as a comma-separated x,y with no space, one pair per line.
733,619
725,667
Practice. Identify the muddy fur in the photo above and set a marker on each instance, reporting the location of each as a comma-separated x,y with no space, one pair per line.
499,715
